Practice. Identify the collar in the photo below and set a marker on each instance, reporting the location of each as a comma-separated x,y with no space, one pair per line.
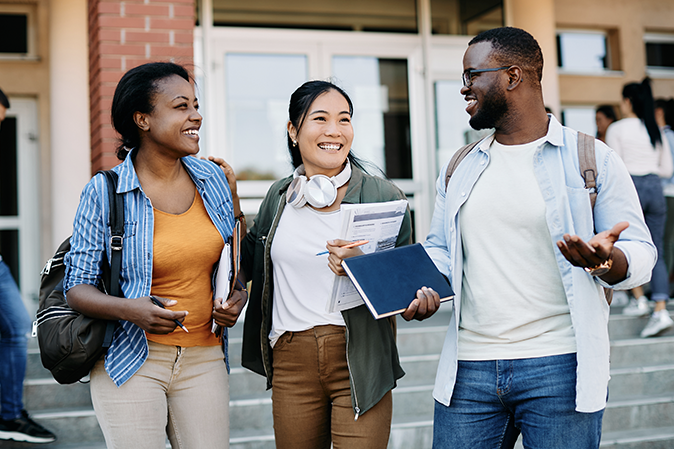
554,136
128,179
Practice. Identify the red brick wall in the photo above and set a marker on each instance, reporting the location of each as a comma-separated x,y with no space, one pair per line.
123,35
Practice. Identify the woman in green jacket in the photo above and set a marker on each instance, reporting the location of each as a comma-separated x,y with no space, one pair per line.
331,374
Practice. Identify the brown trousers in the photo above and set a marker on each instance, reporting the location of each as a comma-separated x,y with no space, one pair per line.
311,395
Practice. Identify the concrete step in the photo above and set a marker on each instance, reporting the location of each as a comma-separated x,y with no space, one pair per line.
639,412
624,327
77,427
642,352
46,393
645,438
641,380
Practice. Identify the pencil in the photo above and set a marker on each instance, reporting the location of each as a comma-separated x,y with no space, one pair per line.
158,303
350,245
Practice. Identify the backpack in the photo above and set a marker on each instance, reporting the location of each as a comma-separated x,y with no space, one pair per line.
71,343
588,171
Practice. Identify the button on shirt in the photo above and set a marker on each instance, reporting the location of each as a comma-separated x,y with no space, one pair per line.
90,242
567,210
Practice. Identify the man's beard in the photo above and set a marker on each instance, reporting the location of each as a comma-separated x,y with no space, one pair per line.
492,109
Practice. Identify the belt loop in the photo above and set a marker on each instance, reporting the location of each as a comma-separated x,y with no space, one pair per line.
290,337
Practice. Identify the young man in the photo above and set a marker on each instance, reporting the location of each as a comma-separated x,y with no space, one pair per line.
527,348
15,424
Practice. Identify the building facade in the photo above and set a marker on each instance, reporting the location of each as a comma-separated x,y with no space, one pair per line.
400,60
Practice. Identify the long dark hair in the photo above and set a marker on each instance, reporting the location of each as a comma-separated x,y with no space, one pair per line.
641,98
300,102
135,93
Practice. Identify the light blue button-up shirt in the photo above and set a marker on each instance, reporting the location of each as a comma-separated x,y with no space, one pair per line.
91,241
568,210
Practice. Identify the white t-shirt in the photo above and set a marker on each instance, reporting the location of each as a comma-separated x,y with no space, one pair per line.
302,280
629,138
513,302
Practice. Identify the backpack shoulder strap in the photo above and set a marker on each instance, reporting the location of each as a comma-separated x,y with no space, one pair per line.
456,160
116,244
588,164
588,170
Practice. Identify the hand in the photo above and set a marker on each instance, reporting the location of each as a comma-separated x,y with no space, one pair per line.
226,313
593,253
152,318
424,305
229,172
337,254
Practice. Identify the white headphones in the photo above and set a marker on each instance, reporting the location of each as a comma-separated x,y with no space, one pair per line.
319,191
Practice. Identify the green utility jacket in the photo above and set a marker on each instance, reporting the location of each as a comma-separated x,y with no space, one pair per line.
372,355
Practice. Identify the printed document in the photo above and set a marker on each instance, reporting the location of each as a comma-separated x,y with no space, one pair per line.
379,223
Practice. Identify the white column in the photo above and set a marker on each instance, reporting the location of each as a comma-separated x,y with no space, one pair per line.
538,18
69,111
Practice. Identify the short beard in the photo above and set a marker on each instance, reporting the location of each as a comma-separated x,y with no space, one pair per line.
491,111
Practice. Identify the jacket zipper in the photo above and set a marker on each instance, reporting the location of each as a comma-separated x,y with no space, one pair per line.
356,409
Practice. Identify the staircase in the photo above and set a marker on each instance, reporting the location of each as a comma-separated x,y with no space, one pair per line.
639,415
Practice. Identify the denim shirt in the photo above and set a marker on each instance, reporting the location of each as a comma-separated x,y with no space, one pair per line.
568,210
91,241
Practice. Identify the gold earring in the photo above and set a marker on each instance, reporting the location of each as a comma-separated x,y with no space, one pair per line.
294,143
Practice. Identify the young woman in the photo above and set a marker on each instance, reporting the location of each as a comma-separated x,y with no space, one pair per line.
638,141
604,116
157,378
331,374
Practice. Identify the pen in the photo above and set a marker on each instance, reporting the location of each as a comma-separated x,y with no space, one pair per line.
158,303
350,245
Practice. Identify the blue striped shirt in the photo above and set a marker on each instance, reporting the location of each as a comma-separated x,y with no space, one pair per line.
91,241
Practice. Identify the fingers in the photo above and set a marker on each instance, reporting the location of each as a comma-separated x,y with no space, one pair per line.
156,319
227,313
614,233
424,305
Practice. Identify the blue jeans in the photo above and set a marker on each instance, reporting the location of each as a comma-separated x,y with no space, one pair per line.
495,400
654,205
14,327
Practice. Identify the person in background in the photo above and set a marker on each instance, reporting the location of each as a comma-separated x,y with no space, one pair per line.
664,117
646,153
331,373
527,347
604,116
15,423
157,379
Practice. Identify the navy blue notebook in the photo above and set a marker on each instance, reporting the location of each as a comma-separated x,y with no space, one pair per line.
388,280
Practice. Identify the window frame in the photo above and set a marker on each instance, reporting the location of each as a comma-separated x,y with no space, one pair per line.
657,71
31,30
611,55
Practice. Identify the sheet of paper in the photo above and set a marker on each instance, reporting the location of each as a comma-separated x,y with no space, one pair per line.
223,279
377,222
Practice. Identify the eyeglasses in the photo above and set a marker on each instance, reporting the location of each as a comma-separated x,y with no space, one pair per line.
467,76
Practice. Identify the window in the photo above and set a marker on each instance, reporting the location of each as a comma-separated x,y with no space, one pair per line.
580,118
398,16
659,53
17,28
583,51
468,17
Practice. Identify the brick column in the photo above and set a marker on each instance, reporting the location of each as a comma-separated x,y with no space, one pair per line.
123,35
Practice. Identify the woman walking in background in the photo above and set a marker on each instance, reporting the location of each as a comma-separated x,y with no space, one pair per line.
639,142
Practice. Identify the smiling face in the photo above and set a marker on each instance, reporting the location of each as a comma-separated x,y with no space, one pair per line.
325,135
173,125
487,103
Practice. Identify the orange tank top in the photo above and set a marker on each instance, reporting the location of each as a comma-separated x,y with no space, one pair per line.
185,249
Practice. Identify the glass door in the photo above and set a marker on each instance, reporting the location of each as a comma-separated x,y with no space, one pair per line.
19,202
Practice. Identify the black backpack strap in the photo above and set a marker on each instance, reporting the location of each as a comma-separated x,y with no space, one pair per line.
456,160
116,244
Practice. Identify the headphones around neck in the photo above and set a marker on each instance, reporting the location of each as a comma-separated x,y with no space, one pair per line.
319,191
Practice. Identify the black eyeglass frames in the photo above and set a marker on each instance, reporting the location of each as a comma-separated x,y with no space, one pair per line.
467,76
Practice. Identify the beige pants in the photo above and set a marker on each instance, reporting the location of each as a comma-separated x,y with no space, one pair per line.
179,392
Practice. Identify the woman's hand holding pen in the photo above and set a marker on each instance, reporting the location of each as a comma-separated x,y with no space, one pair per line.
226,313
155,319
340,250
